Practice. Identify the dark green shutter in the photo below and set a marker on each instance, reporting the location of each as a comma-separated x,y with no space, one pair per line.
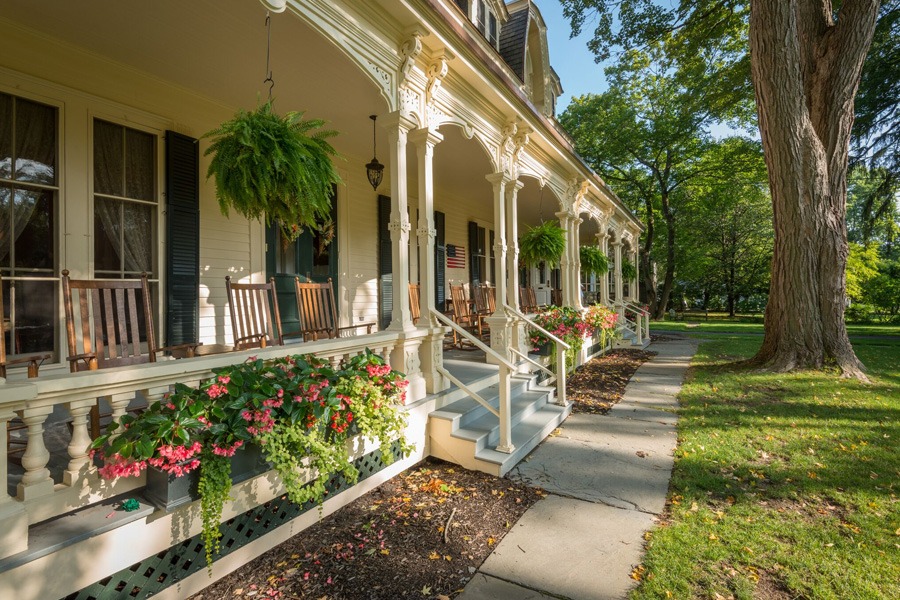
475,274
385,280
182,239
440,261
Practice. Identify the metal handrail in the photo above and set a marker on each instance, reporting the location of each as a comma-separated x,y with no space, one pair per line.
534,362
474,340
506,371
561,348
475,396
534,325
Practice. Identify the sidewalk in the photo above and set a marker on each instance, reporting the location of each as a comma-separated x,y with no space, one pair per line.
607,478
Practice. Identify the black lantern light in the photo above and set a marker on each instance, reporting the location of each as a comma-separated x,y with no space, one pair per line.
374,170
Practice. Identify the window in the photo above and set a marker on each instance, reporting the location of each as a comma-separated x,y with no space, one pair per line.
125,201
493,30
29,192
486,22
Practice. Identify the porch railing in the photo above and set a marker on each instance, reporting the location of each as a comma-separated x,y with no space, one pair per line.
643,329
69,399
503,412
560,346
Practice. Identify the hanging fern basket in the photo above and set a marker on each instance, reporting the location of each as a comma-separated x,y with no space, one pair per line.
629,271
593,261
277,168
544,243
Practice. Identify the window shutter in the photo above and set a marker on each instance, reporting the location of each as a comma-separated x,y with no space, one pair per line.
182,239
385,280
440,261
475,274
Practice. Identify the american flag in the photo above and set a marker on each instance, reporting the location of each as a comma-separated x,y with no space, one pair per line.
456,257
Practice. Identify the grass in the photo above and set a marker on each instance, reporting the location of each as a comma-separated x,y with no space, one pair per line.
785,486
744,324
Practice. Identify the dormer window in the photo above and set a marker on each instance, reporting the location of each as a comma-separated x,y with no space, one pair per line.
486,22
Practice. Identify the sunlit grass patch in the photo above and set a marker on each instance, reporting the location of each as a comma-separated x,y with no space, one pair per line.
785,486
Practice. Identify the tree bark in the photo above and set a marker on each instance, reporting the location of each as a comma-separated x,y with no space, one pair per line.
646,260
806,69
669,278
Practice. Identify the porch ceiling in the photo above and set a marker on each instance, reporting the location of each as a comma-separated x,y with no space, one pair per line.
217,49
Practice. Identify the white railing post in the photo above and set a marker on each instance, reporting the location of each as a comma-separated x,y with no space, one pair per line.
638,327
505,444
561,375
647,325
13,520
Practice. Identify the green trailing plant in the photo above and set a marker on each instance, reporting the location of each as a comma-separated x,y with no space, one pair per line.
593,261
544,243
213,487
279,168
629,271
300,410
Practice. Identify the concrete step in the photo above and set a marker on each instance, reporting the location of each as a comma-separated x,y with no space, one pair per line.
466,433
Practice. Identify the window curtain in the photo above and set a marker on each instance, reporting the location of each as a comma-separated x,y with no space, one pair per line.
35,152
134,246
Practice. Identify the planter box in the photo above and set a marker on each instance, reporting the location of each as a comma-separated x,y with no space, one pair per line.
544,349
167,492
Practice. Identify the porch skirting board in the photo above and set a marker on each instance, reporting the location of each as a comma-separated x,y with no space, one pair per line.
145,549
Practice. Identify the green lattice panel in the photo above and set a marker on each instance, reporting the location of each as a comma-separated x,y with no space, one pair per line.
157,572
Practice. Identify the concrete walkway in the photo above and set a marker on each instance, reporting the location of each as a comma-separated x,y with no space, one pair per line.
607,476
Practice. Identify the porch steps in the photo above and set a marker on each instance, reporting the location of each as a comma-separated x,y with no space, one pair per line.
466,433
629,340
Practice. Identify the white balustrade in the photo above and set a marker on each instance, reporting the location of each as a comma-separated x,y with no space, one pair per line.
76,394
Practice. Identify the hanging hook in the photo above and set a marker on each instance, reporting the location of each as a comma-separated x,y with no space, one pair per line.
268,78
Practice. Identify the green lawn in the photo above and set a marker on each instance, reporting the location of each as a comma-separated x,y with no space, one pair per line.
742,325
785,486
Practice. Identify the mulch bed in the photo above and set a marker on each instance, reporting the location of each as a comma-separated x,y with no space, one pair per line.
391,543
599,384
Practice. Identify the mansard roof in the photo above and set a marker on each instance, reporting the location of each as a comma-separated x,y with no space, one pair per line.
512,41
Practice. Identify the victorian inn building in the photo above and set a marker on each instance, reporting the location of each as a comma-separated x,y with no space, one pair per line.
103,109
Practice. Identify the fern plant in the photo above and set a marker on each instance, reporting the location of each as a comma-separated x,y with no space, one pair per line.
629,271
544,243
593,261
274,167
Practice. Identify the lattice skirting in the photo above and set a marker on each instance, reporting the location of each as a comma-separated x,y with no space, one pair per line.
155,573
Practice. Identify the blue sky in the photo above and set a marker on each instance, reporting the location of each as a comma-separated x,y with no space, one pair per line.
571,59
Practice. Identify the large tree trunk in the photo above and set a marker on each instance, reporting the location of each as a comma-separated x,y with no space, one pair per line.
806,69
646,259
669,278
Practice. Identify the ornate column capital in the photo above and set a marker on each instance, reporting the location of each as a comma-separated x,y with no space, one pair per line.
425,137
397,121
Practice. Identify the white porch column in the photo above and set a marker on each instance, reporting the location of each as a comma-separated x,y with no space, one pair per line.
519,337
512,236
398,127
602,242
499,322
617,272
565,263
633,288
576,262
431,351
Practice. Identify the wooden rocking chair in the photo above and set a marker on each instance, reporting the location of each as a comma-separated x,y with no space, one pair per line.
109,329
255,320
463,315
414,308
318,313
528,300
